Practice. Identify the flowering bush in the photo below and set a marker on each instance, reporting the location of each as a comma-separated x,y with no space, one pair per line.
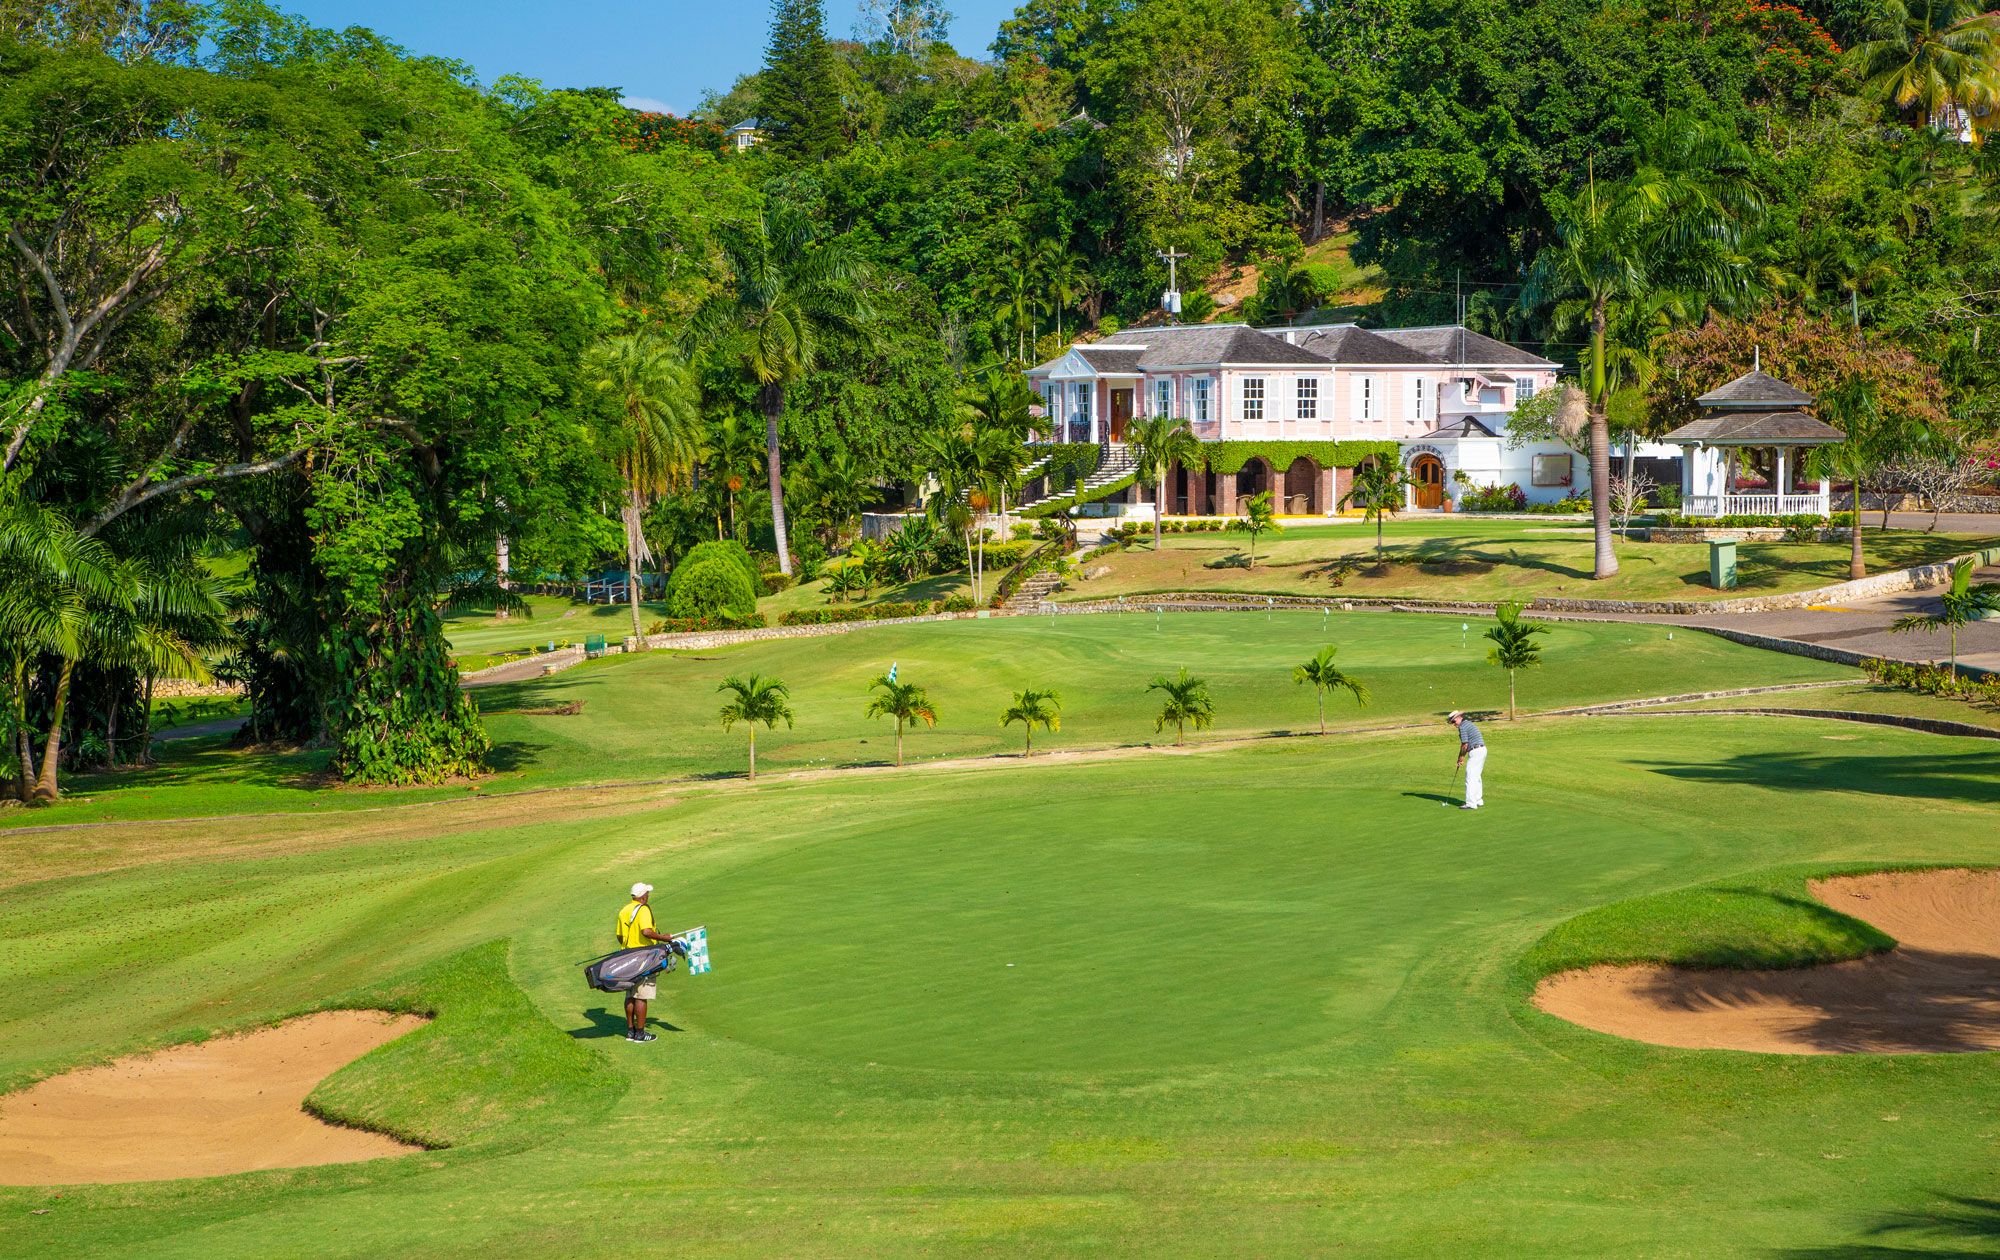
1507,498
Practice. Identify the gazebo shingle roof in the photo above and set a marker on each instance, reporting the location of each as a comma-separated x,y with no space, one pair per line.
1756,428
1756,390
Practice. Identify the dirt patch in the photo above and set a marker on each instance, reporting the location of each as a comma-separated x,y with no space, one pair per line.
230,1105
1937,992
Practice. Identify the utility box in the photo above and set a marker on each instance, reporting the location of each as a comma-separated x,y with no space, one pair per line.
1722,565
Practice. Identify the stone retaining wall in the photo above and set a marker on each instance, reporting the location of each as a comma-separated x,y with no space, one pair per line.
561,659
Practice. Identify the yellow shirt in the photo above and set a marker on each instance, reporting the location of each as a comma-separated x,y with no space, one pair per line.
634,921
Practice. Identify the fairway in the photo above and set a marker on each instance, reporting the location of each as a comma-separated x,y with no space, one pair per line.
1267,998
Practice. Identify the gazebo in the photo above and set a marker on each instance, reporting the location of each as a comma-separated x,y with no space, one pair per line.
1756,412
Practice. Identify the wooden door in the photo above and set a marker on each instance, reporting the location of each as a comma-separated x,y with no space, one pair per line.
1121,413
1428,472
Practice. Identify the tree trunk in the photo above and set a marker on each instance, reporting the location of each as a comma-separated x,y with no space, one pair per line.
632,572
1510,695
1030,729
146,730
1322,713
1159,506
774,410
1857,567
899,743
753,751
25,787
111,733
502,565
45,786
1600,451
1954,655
1319,210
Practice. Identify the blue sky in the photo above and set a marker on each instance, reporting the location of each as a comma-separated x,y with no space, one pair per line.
663,53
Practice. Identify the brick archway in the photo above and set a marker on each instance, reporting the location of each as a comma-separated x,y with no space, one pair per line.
1256,477
1302,489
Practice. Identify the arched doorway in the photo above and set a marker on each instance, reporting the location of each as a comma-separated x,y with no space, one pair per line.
1301,480
1255,478
1428,473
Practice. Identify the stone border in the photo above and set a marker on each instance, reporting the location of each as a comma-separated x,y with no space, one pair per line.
561,659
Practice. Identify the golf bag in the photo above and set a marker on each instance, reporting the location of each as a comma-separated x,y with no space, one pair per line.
624,970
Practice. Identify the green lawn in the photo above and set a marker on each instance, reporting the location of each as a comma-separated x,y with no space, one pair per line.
547,619
653,716
1266,999
1464,558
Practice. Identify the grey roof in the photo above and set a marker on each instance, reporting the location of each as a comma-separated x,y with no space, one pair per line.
1462,427
1111,359
1757,390
1454,343
1756,428
1346,343
1199,345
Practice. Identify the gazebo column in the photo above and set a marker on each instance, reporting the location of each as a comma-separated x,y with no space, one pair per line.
1782,481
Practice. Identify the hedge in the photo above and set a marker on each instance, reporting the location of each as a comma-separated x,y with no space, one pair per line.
1002,554
1062,503
696,625
872,612
1839,520
1230,457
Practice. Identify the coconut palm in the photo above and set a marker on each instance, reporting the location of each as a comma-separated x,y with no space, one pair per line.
1260,516
1032,708
1960,603
659,434
752,700
1325,676
906,702
1186,702
1933,58
1674,221
1377,489
1514,647
1158,443
792,300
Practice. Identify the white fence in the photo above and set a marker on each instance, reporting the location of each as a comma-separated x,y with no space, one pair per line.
1816,504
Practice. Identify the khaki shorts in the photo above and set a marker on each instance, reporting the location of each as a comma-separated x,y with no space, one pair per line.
646,990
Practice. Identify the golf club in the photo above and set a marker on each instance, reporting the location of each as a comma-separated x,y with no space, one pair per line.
1449,784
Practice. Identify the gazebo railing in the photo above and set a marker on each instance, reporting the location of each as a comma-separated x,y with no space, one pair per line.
1818,503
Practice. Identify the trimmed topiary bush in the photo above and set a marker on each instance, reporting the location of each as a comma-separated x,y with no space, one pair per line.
712,586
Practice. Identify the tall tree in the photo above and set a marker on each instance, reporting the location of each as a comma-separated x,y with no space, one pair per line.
792,300
801,109
659,433
1158,443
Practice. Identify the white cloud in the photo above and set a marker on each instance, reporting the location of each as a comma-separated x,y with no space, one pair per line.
646,103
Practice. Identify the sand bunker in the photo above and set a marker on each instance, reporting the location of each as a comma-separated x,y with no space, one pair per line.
1938,991
224,1106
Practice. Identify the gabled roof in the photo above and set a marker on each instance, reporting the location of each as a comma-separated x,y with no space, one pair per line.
1112,360
1454,343
1756,390
1187,345
1347,343
1462,427
1755,428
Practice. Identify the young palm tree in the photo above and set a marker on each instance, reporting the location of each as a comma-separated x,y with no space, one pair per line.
1675,220
1872,439
1325,676
1260,516
906,702
1932,58
1032,708
1514,647
1960,603
792,300
752,700
1186,702
1158,443
659,432
1377,489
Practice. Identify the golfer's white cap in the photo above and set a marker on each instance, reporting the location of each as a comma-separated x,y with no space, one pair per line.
640,890
1455,713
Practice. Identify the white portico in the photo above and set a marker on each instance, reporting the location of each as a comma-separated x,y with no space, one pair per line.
1755,413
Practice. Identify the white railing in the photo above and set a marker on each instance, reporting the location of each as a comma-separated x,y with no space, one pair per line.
1815,504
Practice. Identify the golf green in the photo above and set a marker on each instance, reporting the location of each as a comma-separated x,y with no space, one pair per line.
1267,999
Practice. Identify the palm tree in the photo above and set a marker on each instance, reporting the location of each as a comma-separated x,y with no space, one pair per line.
1259,517
1032,708
1325,676
1934,57
1158,443
1675,220
752,700
1377,489
906,702
1852,407
1186,702
841,487
1514,645
1961,603
659,432
792,300
845,580
732,459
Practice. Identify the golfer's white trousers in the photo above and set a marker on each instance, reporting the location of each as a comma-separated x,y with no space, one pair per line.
1475,762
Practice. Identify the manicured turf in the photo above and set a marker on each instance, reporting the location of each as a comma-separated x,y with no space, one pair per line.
655,716
546,619
1446,558
1263,1000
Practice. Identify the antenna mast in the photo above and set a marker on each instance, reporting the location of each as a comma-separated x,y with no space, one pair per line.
1170,301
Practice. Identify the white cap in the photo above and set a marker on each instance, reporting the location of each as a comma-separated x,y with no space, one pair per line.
1455,713
640,890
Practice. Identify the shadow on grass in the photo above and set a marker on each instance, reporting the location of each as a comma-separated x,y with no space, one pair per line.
1967,776
1958,1226
1439,797
605,1022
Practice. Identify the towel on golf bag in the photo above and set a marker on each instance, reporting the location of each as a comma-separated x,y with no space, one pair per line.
620,972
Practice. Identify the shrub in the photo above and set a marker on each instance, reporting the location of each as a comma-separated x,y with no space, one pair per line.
711,586
1667,498
727,550
1931,681
776,581
694,625
1570,506
1110,324
1021,531
956,604
1007,554
1507,498
863,612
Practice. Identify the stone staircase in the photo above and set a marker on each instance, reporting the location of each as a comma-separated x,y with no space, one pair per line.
1032,593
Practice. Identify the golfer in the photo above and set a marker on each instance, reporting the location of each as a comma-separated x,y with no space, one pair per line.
636,928
1471,756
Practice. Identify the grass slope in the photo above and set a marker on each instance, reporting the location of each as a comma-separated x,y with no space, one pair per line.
1263,1000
